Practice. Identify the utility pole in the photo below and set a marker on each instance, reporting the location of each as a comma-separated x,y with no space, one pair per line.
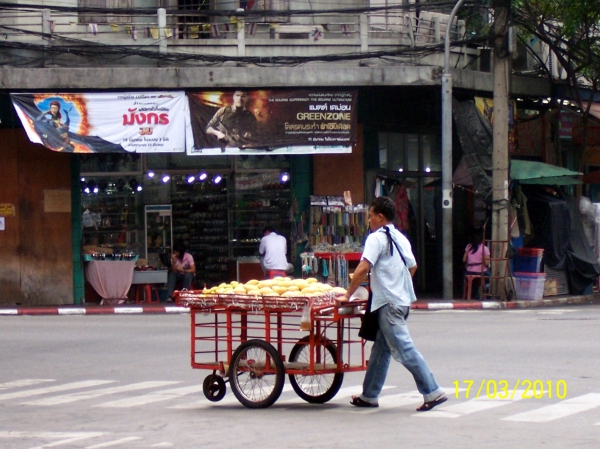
448,266
500,161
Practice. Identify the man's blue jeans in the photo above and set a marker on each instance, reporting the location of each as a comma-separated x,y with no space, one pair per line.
393,340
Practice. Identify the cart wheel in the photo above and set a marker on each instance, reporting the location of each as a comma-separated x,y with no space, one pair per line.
317,388
214,388
256,374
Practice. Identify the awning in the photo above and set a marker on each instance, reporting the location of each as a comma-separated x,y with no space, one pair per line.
532,172
527,172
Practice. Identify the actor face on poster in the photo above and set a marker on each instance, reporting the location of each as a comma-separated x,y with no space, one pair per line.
234,125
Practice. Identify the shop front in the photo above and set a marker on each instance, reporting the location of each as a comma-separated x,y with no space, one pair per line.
132,206
217,206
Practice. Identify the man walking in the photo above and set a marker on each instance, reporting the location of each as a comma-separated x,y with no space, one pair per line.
389,257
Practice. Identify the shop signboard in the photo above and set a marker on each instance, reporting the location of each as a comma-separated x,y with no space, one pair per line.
272,122
108,122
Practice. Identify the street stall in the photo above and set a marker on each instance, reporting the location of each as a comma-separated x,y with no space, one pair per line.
258,332
337,231
552,221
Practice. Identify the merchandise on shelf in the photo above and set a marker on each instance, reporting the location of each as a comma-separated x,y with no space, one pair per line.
259,200
338,224
111,224
200,221
159,236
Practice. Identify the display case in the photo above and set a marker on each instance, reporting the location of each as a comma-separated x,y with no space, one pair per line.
200,221
159,233
111,222
259,199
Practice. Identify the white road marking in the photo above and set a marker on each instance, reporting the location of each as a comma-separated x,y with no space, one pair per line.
343,393
469,407
394,401
128,310
66,398
64,387
149,398
72,311
560,410
176,309
9,312
68,437
23,383
555,311
113,443
227,400
439,306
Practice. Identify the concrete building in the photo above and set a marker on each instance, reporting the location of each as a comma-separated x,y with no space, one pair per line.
390,52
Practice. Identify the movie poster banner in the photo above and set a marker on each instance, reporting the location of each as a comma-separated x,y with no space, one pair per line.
272,121
135,122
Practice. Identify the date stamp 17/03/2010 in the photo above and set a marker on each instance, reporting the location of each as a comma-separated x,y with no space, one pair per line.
503,389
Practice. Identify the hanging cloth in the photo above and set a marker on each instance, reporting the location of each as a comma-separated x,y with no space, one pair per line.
402,208
377,187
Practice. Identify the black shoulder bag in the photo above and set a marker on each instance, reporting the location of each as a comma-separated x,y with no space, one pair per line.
370,320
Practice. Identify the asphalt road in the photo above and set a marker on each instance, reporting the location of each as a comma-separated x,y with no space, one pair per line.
126,382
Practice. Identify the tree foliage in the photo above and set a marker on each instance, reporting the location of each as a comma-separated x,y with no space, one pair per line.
571,29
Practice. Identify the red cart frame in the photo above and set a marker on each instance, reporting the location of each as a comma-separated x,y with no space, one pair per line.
244,340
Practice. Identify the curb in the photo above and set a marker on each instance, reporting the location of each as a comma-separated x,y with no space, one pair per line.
134,309
93,310
593,298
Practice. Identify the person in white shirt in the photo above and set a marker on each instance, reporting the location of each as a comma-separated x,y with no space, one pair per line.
389,258
273,253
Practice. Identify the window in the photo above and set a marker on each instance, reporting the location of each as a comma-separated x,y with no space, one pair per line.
191,26
409,152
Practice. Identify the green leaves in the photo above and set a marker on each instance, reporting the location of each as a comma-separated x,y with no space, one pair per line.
570,28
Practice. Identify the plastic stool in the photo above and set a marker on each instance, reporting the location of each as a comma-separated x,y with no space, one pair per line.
148,289
468,285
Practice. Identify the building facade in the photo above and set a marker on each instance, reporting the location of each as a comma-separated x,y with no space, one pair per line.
390,53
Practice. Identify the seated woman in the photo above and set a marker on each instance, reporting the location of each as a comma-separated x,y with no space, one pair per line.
182,269
476,258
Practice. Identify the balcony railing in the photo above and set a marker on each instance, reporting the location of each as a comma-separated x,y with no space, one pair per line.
237,36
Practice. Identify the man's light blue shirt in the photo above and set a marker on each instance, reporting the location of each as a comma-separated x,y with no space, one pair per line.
391,281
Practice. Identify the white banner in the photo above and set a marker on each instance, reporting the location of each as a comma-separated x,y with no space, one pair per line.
137,122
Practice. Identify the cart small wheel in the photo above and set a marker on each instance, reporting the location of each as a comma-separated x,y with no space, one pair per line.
214,388
316,388
256,374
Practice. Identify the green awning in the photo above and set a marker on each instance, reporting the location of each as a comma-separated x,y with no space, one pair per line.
531,172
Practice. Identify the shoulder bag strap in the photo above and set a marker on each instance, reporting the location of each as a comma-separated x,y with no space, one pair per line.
392,241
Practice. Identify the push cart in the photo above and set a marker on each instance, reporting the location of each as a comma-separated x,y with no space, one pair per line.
253,342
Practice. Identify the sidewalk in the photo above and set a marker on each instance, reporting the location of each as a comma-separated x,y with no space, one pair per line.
424,304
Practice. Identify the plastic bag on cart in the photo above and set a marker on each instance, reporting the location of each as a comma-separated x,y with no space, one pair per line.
305,321
360,293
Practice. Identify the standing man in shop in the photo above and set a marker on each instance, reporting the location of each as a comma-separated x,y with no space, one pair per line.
273,251
389,257
234,126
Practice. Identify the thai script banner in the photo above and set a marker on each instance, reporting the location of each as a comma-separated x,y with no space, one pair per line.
136,122
272,121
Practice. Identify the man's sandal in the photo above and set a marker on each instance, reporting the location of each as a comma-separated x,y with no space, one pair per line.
358,402
429,405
